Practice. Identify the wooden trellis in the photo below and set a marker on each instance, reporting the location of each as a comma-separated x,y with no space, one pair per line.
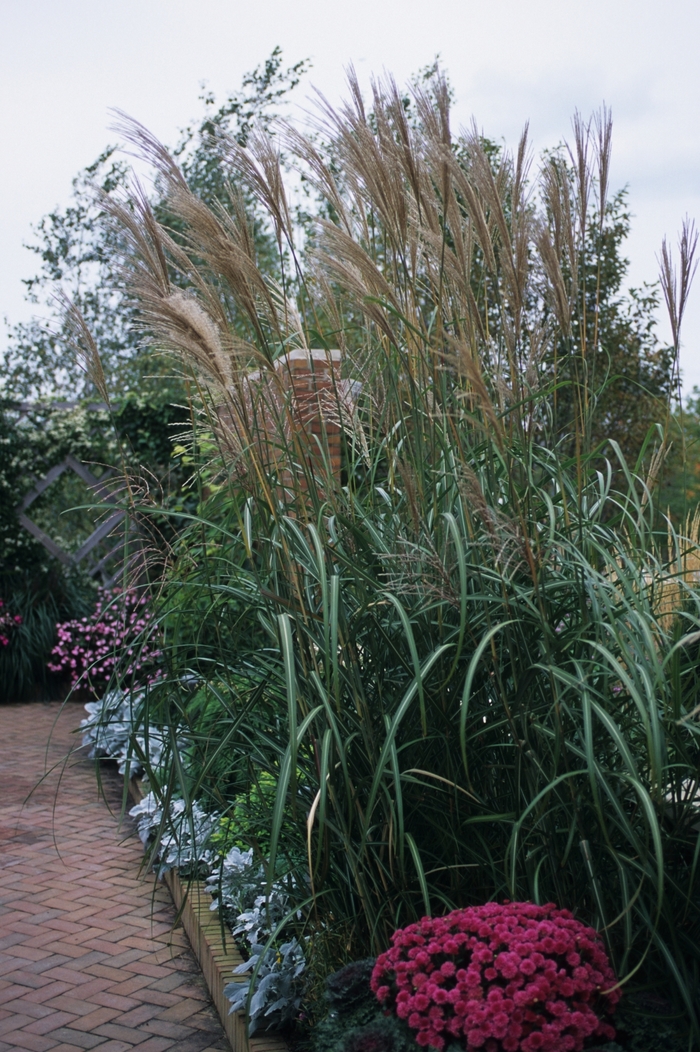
113,515
313,380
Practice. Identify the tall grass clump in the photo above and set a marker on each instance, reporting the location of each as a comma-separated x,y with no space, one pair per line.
38,605
468,659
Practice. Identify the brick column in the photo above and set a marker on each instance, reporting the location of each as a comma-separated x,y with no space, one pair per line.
301,396
316,389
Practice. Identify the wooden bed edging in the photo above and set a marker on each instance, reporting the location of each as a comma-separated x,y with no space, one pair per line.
203,929
217,961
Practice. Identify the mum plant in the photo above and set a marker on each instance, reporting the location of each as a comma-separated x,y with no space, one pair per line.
516,977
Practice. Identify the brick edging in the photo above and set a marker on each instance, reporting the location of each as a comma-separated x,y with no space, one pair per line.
216,958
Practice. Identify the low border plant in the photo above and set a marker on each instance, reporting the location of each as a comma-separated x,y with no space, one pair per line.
354,1021
255,911
114,643
188,837
111,731
179,835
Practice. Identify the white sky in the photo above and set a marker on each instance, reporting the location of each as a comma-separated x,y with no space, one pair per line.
63,63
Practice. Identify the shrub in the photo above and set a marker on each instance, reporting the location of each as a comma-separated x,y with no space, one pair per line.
116,640
40,600
504,978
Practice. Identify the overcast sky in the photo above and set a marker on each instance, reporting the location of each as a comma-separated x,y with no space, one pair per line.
64,63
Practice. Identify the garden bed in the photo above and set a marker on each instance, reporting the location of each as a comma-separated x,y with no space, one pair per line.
217,955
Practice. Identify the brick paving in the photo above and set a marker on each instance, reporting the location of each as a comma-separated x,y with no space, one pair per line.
88,955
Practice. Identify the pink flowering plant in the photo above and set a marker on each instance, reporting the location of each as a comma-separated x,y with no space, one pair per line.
8,624
502,978
119,639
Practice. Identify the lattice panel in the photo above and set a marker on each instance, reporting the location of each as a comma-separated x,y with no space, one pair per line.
99,534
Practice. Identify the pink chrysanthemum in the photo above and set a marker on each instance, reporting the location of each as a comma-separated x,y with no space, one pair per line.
514,977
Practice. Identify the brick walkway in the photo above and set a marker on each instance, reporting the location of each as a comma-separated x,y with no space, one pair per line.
88,958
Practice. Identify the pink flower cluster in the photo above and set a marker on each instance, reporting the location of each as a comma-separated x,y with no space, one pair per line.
118,637
501,978
7,624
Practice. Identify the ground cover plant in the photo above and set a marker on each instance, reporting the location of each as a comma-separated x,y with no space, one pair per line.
467,661
112,730
203,845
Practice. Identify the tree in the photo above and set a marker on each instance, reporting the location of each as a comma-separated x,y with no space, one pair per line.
679,491
78,248
80,253
630,375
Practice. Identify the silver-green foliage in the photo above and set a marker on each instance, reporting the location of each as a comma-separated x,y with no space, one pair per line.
178,835
277,995
113,730
256,913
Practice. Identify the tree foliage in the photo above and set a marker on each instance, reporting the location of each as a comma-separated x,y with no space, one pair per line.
679,491
614,342
78,248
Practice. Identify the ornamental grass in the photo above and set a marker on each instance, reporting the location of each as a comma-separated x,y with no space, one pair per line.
468,660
